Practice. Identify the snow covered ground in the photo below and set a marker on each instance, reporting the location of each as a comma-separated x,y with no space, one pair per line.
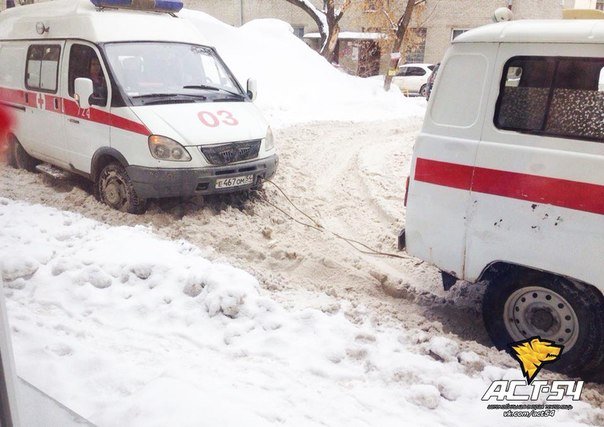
130,329
223,311
150,325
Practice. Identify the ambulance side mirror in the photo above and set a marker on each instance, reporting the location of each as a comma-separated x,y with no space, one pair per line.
83,92
252,89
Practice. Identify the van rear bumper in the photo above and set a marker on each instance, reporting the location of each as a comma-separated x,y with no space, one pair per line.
155,183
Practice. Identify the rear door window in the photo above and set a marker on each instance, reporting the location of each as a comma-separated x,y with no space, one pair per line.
42,69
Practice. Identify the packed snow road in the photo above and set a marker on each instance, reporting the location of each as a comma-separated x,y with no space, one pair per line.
349,177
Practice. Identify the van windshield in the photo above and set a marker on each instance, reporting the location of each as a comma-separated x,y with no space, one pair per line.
164,73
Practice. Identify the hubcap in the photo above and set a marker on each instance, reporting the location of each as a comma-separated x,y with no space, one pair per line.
114,191
537,311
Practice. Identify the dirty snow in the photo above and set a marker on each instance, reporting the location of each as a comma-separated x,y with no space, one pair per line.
144,318
126,328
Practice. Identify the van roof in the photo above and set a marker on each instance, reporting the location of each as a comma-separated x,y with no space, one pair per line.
530,31
80,19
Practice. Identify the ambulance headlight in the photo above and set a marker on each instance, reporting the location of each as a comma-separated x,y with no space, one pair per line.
163,148
269,140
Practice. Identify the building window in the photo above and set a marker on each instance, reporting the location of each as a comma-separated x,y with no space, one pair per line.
600,4
457,32
415,46
375,5
298,30
554,96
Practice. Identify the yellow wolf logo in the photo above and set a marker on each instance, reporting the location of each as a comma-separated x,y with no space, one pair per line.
533,353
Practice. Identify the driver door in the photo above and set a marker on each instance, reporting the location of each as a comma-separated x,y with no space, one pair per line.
86,130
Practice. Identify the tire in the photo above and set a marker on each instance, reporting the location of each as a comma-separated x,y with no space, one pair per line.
18,157
423,91
114,188
522,305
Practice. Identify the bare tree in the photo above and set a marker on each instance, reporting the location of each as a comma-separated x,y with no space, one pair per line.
401,26
327,19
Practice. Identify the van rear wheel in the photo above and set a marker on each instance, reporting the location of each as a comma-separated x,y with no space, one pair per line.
114,188
18,157
520,306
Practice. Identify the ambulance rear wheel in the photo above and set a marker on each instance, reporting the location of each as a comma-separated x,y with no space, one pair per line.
18,157
115,189
523,305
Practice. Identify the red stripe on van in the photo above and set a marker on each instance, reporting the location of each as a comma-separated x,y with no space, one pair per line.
565,193
442,173
100,116
70,108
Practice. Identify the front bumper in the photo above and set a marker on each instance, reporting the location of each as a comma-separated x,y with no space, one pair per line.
155,183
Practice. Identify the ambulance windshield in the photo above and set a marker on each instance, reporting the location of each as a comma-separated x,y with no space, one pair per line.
158,73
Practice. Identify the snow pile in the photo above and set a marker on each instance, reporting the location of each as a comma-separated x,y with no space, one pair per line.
295,84
129,329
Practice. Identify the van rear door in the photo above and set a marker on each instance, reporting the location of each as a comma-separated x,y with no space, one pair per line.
538,191
444,156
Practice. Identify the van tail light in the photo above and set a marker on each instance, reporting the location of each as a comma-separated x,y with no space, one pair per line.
406,190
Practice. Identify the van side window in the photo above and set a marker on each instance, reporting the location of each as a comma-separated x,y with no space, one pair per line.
553,96
84,62
42,69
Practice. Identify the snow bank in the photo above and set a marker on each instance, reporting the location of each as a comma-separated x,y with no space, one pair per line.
295,84
129,329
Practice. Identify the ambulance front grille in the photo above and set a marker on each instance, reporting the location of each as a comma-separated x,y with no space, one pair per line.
232,152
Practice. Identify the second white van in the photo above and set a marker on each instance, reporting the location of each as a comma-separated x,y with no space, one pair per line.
507,182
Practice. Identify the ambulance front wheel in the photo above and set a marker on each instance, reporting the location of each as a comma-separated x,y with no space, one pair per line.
526,304
18,157
114,188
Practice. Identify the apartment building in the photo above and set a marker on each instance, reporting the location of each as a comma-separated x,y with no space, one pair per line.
435,25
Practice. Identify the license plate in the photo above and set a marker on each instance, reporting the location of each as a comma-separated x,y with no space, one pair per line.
236,181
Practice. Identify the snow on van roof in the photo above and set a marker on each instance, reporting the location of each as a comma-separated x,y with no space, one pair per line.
81,19
529,31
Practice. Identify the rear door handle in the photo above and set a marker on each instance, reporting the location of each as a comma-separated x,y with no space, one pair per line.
77,122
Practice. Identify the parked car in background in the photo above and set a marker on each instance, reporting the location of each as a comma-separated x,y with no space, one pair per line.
413,78
431,80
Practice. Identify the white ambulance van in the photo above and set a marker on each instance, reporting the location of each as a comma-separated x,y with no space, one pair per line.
135,100
507,182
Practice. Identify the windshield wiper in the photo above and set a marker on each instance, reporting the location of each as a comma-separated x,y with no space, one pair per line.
168,95
156,95
201,87
169,98
229,99
238,95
